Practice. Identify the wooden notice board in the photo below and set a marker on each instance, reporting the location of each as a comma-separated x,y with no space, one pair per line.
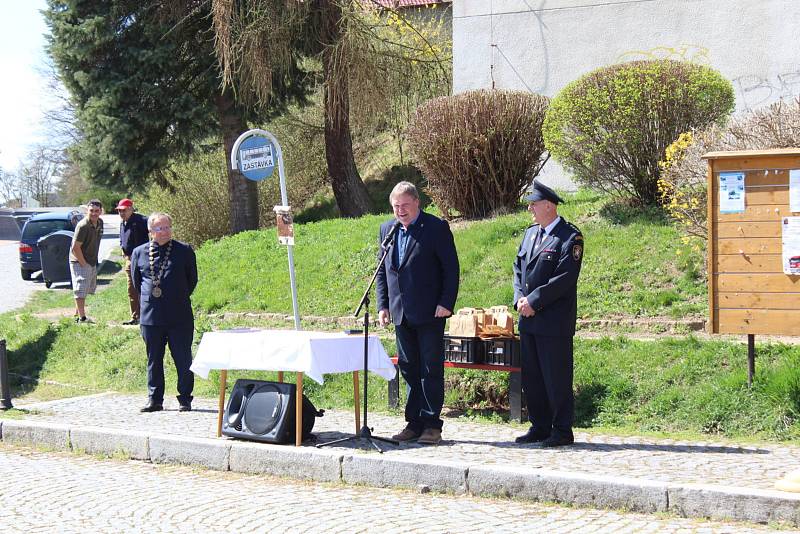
748,291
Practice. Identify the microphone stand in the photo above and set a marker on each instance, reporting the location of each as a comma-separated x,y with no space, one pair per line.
366,433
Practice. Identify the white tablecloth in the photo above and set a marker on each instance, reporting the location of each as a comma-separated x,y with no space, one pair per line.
312,353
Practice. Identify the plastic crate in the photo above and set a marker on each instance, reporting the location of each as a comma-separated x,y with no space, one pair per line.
501,351
463,349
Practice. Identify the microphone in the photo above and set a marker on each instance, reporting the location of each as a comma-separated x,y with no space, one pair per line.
388,239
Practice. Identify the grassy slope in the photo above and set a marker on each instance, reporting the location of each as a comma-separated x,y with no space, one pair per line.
630,267
670,385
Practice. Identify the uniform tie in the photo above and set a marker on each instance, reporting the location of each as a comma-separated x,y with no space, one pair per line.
539,238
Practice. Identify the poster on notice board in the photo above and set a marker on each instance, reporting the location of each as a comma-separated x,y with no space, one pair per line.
791,244
731,192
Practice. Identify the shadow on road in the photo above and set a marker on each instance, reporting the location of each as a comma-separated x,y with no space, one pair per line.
26,361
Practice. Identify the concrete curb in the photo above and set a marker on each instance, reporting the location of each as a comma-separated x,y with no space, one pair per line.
571,488
385,472
744,504
639,495
210,453
130,444
52,436
283,461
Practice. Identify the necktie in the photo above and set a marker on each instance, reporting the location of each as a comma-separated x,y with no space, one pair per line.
539,238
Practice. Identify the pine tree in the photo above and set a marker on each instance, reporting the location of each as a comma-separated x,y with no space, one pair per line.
146,86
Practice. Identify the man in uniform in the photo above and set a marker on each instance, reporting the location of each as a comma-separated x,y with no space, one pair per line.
164,273
132,233
83,256
545,283
416,289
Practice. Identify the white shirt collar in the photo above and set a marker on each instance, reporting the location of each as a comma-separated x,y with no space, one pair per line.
549,228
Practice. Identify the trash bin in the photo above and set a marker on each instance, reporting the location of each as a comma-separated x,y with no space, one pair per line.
54,252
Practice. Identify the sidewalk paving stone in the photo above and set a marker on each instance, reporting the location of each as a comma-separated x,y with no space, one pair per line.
714,479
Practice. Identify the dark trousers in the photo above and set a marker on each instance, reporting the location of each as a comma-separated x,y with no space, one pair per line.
420,356
179,339
547,382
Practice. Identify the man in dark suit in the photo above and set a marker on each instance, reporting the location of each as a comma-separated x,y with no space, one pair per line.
417,289
545,283
132,233
165,274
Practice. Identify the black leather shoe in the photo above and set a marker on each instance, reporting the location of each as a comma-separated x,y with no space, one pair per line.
531,436
151,407
131,322
185,408
557,441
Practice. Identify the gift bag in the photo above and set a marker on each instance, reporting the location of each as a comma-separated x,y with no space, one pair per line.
502,319
467,322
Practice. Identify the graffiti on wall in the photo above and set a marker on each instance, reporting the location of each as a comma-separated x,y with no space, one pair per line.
752,90
682,52
755,90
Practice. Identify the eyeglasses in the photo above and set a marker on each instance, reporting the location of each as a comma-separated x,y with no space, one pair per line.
161,228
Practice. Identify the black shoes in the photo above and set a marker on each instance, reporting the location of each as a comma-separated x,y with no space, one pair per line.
131,322
557,441
545,440
185,407
151,407
532,436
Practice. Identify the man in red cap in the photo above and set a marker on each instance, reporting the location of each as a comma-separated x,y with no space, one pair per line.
132,233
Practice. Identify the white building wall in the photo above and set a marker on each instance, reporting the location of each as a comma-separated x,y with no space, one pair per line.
541,45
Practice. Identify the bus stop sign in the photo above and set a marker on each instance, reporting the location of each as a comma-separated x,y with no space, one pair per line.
255,155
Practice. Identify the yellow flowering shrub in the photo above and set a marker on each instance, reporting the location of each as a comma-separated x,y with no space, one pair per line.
683,186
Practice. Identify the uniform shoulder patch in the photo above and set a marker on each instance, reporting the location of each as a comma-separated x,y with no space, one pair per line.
577,251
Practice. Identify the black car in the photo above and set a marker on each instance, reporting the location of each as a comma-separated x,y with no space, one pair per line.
39,226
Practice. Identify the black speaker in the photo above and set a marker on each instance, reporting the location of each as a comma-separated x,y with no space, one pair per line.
261,411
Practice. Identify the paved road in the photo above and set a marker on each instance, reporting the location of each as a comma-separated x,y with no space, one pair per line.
47,492
16,292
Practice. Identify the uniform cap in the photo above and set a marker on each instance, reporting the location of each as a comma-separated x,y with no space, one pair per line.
124,203
542,192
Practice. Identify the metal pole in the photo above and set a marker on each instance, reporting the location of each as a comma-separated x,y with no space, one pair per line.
5,389
285,202
294,289
751,358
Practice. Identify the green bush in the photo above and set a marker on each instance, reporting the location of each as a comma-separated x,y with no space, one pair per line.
197,198
479,150
612,126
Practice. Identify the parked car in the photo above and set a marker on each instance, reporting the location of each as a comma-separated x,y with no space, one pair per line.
21,220
39,226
